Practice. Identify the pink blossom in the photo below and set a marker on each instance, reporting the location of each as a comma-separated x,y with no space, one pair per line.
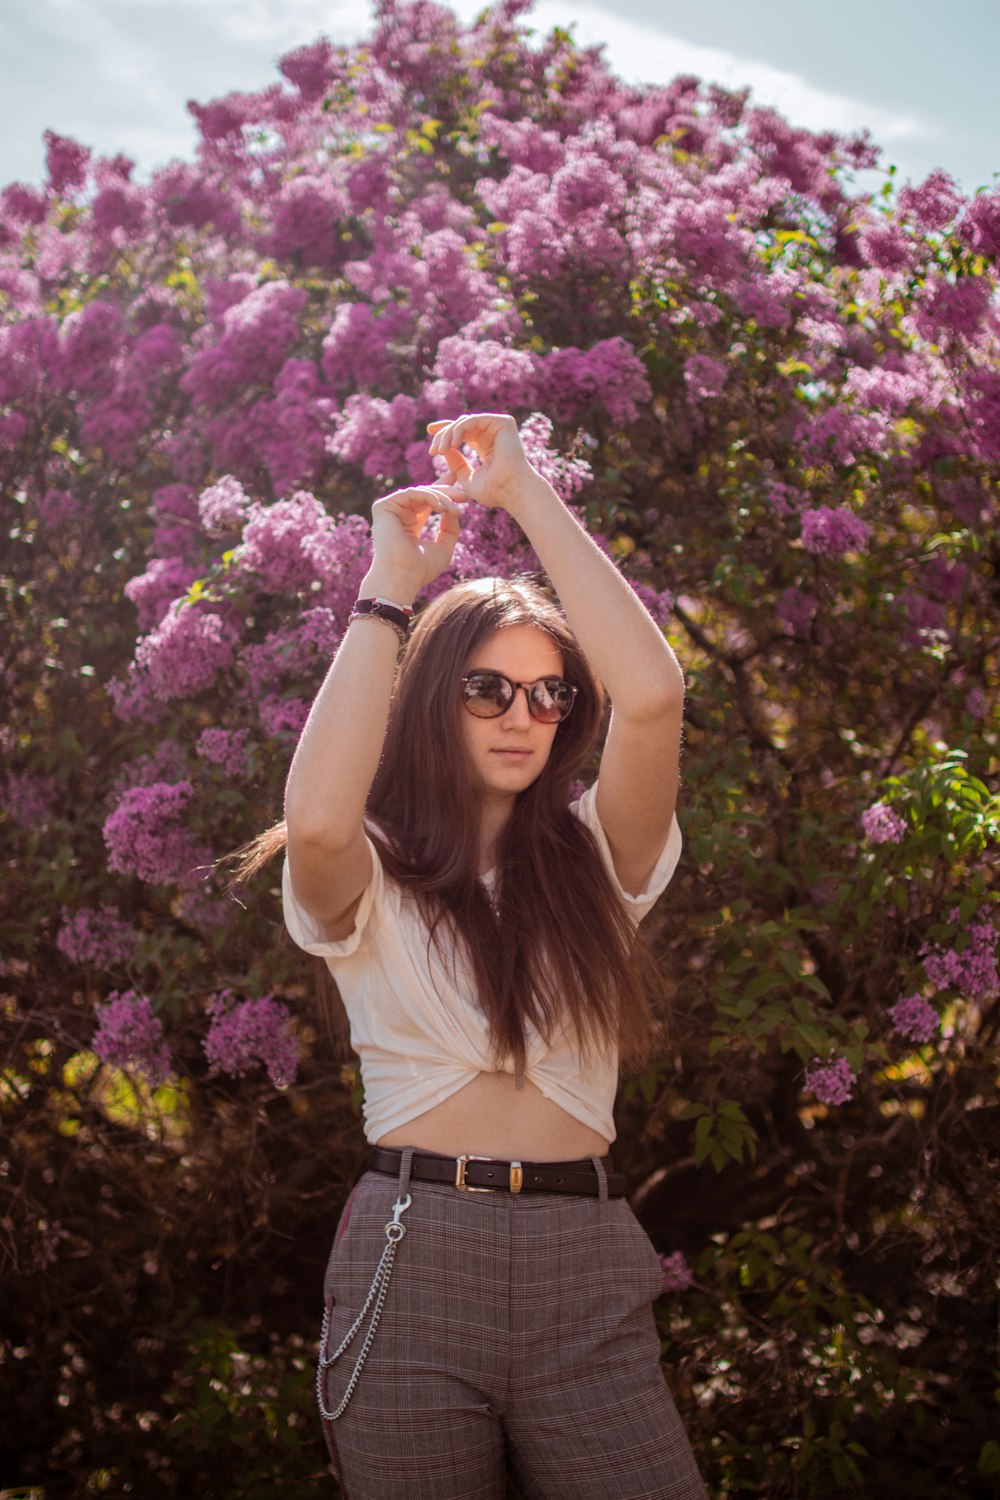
358,351
893,391
765,301
245,1033
308,212
167,762
831,1082
970,968
117,422
273,541
832,532
23,204
703,376
147,834
784,499
609,372
257,333
130,1037
481,374
888,246
956,308
310,68
882,825
292,429
567,476
96,936
914,1018
121,206
294,651
92,342
157,351
934,203
840,434
585,183
525,143
225,748
224,506
179,658
187,199
280,717
66,162
375,434
677,1274
979,226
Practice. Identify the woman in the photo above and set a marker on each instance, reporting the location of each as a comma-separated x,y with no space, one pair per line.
488,1293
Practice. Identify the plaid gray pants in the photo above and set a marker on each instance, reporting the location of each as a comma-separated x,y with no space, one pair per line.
516,1330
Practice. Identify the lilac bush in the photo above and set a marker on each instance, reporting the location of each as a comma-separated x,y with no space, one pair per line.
773,398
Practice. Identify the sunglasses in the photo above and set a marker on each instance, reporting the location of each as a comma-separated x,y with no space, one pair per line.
487,695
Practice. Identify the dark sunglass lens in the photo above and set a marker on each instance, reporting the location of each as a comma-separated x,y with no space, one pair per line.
551,700
486,694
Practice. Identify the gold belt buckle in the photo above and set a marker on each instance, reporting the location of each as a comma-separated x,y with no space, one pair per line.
461,1162
515,1175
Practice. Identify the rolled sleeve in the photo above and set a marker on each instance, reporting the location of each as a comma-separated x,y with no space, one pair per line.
307,932
662,872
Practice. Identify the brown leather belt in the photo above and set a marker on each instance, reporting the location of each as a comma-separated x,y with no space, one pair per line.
483,1174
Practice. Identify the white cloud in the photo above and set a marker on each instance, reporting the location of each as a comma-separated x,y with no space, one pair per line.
641,54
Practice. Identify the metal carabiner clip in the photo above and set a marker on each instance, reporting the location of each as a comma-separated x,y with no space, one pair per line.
395,1230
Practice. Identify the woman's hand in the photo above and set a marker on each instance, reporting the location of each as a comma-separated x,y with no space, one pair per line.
402,551
503,470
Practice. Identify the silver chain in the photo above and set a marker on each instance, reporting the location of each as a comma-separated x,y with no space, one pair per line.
394,1232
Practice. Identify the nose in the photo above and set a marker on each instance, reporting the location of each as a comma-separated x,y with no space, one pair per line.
517,712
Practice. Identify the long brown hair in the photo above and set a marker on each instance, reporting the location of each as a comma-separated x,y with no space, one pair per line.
558,949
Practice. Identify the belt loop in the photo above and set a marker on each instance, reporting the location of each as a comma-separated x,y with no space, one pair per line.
602,1179
405,1166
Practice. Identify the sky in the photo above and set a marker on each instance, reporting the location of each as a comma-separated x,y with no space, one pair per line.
116,74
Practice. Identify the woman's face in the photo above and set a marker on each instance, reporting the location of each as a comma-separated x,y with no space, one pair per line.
509,752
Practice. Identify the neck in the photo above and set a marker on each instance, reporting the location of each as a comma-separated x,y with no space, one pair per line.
495,812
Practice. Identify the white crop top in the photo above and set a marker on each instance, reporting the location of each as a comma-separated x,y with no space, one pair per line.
420,1036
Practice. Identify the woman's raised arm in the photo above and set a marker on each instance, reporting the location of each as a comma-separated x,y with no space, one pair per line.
637,788
338,753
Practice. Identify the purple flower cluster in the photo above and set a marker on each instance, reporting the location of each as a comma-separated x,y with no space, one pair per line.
833,531
130,1037
225,748
704,377
146,834
567,476
831,1082
914,1018
180,657
882,825
245,1033
677,1274
96,936
972,970
223,506
797,609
